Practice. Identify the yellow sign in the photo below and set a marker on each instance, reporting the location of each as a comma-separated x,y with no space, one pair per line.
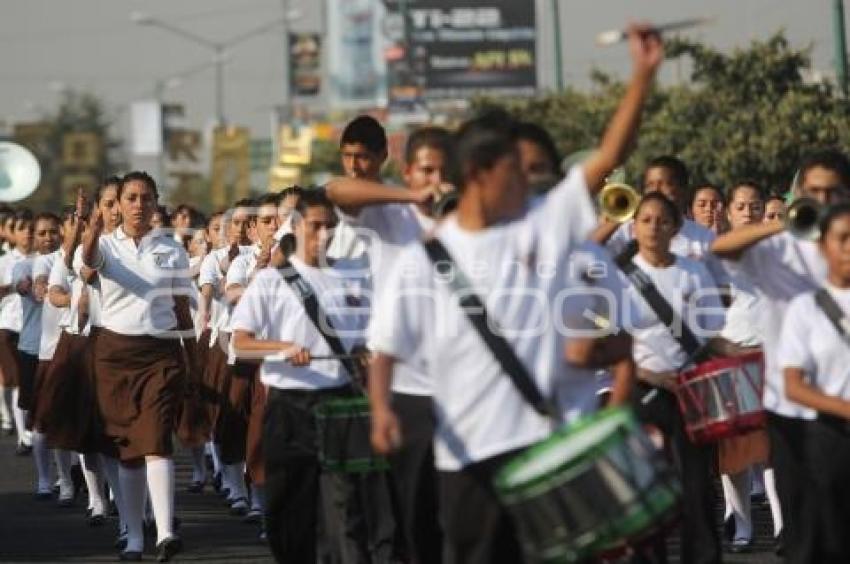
231,165
81,150
295,145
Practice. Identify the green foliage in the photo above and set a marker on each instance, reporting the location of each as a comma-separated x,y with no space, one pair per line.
744,114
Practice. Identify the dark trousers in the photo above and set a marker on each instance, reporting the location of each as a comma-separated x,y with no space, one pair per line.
829,453
695,465
477,529
416,478
27,366
788,440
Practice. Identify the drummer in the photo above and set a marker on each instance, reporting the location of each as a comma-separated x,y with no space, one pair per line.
690,291
780,267
815,358
482,420
270,320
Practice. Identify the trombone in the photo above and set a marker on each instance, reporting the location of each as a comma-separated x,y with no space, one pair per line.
803,217
618,202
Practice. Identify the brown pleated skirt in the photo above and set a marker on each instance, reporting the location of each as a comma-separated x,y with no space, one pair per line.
140,384
9,358
194,427
214,377
256,462
64,406
38,393
231,431
736,454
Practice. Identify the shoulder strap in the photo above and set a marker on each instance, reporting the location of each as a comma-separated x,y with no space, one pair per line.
662,308
322,322
832,310
475,311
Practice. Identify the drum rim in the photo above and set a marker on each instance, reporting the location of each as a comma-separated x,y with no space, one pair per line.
719,364
503,476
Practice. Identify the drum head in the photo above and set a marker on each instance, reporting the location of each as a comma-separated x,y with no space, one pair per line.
567,447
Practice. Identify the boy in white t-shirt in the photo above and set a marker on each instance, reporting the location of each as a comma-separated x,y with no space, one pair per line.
514,256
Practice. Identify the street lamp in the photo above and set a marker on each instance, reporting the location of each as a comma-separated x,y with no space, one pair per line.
218,48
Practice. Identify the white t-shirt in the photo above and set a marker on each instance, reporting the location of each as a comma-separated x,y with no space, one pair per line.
30,335
211,274
138,283
387,230
809,341
692,293
11,314
780,268
271,310
517,268
742,317
50,315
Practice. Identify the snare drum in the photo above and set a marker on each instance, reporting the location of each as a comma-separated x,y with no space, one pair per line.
721,398
596,485
343,430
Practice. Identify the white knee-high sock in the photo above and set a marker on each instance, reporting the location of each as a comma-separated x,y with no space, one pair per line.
132,482
5,407
41,457
216,457
736,490
773,499
199,470
235,474
63,470
160,474
111,471
94,482
20,417
258,497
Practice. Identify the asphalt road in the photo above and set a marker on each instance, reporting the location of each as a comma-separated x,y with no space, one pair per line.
40,531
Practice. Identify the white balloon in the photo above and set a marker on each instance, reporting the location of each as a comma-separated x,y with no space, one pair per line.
19,172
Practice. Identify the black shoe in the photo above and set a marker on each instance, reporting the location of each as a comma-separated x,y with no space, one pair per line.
23,450
130,556
195,487
779,544
121,542
43,496
239,507
168,548
729,529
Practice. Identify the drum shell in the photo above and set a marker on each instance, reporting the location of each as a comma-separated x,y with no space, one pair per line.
617,492
344,427
722,397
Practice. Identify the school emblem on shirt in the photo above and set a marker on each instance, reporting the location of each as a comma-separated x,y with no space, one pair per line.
161,258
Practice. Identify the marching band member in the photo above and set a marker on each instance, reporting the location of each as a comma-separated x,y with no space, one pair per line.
270,319
814,355
498,242
780,267
138,361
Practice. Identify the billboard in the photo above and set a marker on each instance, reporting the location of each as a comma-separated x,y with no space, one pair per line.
473,46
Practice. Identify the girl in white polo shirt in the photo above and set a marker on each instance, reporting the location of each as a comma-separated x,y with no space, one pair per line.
815,360
145,286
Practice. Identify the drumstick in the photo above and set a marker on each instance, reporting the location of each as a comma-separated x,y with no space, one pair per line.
336,356
613,36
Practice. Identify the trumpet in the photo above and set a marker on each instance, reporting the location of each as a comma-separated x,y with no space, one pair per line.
802,219
618,202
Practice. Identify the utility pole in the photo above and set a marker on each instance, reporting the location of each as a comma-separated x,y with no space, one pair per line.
840,45
559,63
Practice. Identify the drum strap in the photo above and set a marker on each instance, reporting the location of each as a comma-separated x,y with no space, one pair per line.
308,298
662,308
832,310
475,311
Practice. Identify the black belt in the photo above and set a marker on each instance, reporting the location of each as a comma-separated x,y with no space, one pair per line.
834,422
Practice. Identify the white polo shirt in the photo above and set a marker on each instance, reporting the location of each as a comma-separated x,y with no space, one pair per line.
271,310
64,278
211,274
28,340
138,282
692,293
780,268
810,342
11,314
93,289
517,268
50,314
386,230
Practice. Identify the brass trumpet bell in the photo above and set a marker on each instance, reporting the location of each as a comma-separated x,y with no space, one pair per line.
802,219
618,202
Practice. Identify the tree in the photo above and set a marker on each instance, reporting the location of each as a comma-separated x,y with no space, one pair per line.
745,114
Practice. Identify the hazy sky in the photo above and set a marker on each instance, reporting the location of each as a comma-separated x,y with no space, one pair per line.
48,44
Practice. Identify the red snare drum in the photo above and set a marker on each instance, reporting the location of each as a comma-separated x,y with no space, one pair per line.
722,397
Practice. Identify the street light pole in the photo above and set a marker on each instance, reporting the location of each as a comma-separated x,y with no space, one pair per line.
559,64
840,46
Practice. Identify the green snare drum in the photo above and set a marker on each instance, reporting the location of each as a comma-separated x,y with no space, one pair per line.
594,487
343,431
